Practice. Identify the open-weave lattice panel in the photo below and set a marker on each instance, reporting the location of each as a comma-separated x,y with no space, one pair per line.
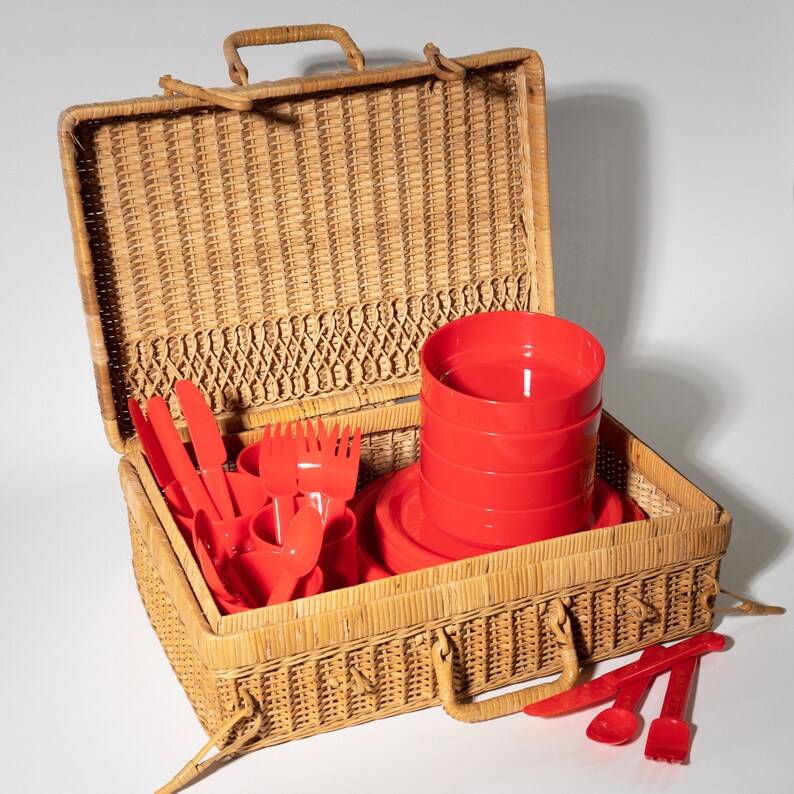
307,245
281,359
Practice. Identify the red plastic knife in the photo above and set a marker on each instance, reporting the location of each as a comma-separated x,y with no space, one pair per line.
207,444
178,459
159,465
607,685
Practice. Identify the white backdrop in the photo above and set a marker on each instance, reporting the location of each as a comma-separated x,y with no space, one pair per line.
671,133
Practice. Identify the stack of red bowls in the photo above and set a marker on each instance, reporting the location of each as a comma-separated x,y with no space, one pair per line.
510,412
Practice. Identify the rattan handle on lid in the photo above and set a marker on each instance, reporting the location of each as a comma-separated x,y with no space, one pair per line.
287,34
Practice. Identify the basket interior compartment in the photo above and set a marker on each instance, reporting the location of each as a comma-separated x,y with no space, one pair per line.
668,499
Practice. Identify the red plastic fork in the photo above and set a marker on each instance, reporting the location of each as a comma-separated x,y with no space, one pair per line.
310,462
668,736
340,473
278,472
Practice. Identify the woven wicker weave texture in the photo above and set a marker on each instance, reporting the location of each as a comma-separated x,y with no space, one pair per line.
624,592
290,259
306,247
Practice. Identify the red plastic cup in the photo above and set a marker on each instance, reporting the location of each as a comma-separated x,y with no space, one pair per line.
260,569
509,452
338,558
370,565
506,490
339,555
500,528
248,459
248,497
512,372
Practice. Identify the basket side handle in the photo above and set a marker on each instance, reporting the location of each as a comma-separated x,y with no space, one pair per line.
286,34
511,702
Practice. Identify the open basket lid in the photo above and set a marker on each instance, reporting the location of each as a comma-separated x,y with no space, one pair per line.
290,244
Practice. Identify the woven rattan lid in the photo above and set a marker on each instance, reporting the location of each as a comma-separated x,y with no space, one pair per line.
292,243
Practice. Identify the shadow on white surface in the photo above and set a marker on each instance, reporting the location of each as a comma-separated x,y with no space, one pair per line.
374,59
602,224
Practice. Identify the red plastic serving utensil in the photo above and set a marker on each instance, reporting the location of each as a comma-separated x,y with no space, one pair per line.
207,443
302,543
668,736
618,723
278,472
160,468
607,685
182,466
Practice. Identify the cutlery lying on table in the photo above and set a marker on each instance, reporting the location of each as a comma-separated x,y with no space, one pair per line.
668,736
607,685
618,723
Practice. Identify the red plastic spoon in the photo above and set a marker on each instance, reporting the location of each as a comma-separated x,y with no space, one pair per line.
302,543
618,723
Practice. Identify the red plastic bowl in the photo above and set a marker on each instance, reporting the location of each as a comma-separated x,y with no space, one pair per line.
512,371
508,452
499,528
607,510
506,490
400,533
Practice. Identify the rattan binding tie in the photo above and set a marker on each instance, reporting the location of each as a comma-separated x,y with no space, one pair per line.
197,764
746,606
443,67
212,96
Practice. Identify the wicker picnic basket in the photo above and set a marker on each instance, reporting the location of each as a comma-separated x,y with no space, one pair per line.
288,246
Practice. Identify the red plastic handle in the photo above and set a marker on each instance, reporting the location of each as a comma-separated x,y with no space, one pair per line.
677,694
